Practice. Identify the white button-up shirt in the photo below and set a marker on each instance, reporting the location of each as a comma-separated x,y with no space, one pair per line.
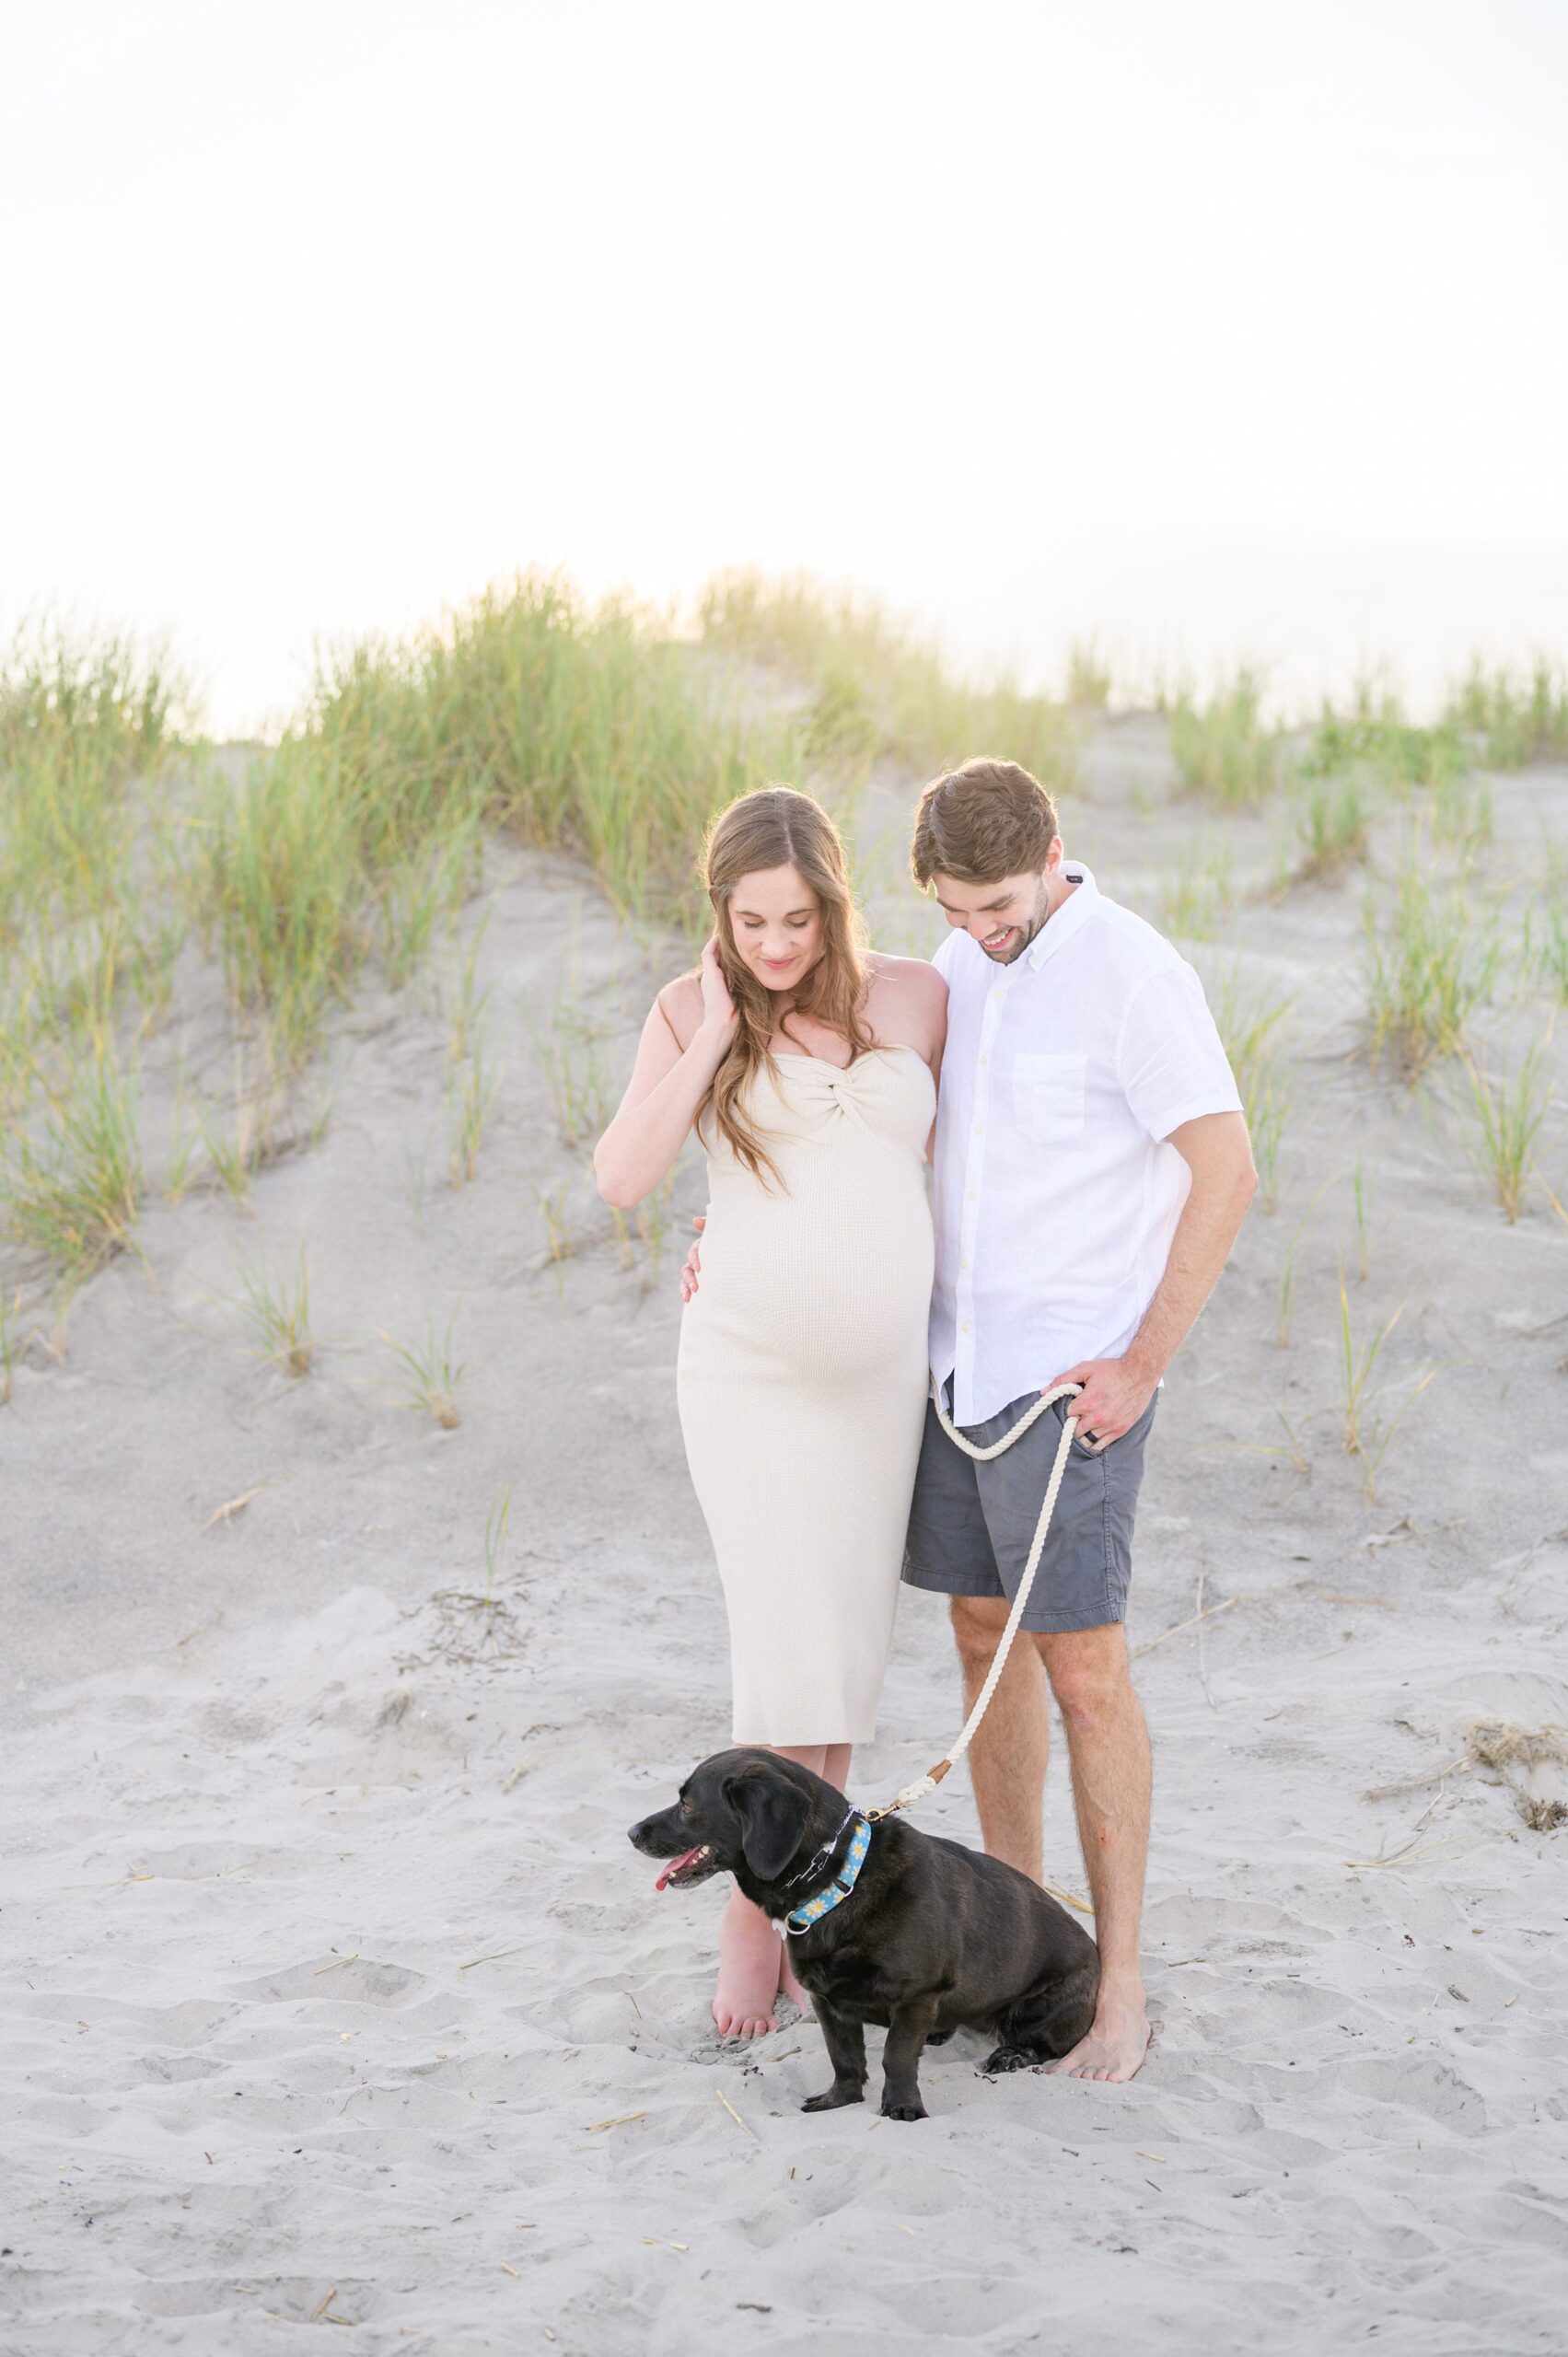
1056,1193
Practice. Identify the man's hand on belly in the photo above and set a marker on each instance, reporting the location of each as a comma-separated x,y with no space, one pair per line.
1115,1394
691,1267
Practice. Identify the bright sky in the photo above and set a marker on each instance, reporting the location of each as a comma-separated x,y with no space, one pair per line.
1236,326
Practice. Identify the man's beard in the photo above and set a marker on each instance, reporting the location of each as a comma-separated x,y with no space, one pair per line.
1026,933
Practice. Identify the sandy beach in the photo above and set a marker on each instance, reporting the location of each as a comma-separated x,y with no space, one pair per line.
334,1995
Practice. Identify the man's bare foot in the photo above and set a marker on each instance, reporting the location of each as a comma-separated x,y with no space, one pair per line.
1117,2042
748,1970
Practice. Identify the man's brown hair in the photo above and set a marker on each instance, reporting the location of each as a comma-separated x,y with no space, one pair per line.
981,822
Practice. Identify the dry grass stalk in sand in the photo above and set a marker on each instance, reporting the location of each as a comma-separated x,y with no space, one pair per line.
1410,1847
1369,1430
1517,1754
231,1506
736,2115
482,1632
1191,1622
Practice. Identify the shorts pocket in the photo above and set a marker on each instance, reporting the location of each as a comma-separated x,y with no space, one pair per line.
1048,1096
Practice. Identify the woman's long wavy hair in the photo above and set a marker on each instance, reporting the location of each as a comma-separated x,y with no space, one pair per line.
776,827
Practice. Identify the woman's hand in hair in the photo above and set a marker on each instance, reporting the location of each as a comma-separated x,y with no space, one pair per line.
719,1017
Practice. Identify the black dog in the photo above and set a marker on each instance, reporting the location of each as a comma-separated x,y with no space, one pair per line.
932,1937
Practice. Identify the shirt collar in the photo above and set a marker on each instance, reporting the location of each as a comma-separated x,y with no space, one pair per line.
1073,913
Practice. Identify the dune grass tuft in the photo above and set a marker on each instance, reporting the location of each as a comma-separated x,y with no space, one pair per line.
1223,748
71,1186
1518,717
1509,1117
1429,964
427,1374
1373,734
1333,816
906,699
277,1313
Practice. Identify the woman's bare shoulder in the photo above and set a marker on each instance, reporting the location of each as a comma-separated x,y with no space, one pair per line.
681,1003
915,977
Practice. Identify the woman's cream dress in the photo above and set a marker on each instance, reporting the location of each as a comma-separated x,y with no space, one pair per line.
802,1384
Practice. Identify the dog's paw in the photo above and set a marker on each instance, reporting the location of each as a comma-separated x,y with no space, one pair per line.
913,2109
939,2038
834,2098
1006,2058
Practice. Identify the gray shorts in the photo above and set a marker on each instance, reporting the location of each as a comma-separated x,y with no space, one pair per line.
971,1525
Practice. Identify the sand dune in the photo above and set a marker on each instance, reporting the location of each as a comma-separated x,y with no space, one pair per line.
333,1992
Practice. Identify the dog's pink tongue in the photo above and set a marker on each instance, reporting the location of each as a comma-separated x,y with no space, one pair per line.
674,1867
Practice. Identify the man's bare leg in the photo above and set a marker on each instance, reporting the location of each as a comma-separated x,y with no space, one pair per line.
1008,1758
1108,1745
753,1966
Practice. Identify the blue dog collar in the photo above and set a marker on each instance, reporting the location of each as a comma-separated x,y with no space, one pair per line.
833,1894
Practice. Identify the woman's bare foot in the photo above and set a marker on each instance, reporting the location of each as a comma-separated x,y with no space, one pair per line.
788,1985
749,1970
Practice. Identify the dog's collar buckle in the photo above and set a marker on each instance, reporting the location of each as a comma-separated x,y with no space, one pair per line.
833,1894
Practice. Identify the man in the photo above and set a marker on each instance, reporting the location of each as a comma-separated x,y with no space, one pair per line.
1092,1170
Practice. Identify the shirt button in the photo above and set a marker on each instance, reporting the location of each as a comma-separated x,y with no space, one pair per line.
966,1326
977,1131
985,1060
972,1195
963,1264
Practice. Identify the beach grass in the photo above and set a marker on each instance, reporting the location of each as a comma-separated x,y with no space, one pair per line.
1222,746
1248,1014
1429,963
1089,681
1373,734
1331,820
277,1313
1509,1115
1370,1419
582,728
474,1088
906,699
573,1055
1200,894
427,1374
71,1185
1518,715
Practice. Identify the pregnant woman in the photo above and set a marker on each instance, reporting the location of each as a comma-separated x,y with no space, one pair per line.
808,1065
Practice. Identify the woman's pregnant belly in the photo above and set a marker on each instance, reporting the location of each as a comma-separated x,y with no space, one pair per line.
835,1286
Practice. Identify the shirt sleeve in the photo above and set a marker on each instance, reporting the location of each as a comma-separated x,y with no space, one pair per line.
1170,1061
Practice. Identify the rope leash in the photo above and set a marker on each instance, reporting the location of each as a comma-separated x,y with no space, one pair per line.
928,1782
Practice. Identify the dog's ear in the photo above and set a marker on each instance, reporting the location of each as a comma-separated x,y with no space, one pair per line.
771,1814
